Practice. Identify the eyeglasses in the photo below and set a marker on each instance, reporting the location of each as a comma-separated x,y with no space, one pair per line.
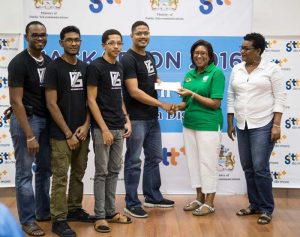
245,48
70,40
196,54
36,35
140,33
113,43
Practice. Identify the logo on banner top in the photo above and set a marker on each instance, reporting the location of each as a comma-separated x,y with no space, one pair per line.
292,123
292,84
164,4
293,46
96,6
207,6
48,4
3,82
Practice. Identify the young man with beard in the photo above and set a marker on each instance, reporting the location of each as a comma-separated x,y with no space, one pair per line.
65,82
141,101
110,125
29,129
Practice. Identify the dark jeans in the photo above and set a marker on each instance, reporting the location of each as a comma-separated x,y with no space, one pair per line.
255,147
32,205
145,134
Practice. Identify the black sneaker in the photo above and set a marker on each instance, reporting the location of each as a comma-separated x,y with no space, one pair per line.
80,215
163,203
62,229
138,212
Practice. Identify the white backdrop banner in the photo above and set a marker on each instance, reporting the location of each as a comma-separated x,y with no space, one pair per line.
175,25
9,47
285,159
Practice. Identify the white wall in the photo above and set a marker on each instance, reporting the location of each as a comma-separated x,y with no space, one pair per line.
276,17
11,16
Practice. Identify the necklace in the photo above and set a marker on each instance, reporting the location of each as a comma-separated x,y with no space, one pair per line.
39,61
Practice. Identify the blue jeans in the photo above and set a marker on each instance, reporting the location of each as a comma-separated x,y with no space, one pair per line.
255,147
145,134
32,205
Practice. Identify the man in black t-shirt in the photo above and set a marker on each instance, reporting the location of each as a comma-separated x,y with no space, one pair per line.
140,75
65,82
110,125
29,129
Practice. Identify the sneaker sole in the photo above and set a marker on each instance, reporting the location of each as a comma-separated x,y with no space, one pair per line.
134,215
151,205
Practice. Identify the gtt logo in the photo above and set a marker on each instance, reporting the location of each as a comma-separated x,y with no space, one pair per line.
270,43
173,154
3,121
291,157
290,84
3,82
96,6
207,6
278,175
4,43
291,45
5,156
290,122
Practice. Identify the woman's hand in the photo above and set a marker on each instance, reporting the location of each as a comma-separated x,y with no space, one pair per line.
184,92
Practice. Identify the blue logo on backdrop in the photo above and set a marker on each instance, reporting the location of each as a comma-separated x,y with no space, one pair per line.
172,59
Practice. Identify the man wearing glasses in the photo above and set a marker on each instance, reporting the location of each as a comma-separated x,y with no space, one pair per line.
65,82
110,125
142,104
29,129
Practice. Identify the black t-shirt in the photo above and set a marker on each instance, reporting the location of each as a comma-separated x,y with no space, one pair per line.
144,69
109,79
70,83
24,71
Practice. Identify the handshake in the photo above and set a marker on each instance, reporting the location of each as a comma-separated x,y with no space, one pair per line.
169,108
172,108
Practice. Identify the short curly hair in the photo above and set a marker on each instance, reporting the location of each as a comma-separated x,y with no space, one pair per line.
258,40
208,47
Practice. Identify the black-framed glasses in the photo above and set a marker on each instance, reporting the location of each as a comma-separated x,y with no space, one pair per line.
36,35
113,43
70,40
246,48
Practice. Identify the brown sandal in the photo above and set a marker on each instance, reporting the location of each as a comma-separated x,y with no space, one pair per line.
247,211
102,226
33,229
119,218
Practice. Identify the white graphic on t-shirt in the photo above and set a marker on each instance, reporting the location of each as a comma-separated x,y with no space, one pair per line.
76,81
149,66
41,72
115,79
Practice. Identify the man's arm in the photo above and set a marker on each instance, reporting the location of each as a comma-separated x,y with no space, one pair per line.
82,131
16,96
51,99
136,93
92,92
127,125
